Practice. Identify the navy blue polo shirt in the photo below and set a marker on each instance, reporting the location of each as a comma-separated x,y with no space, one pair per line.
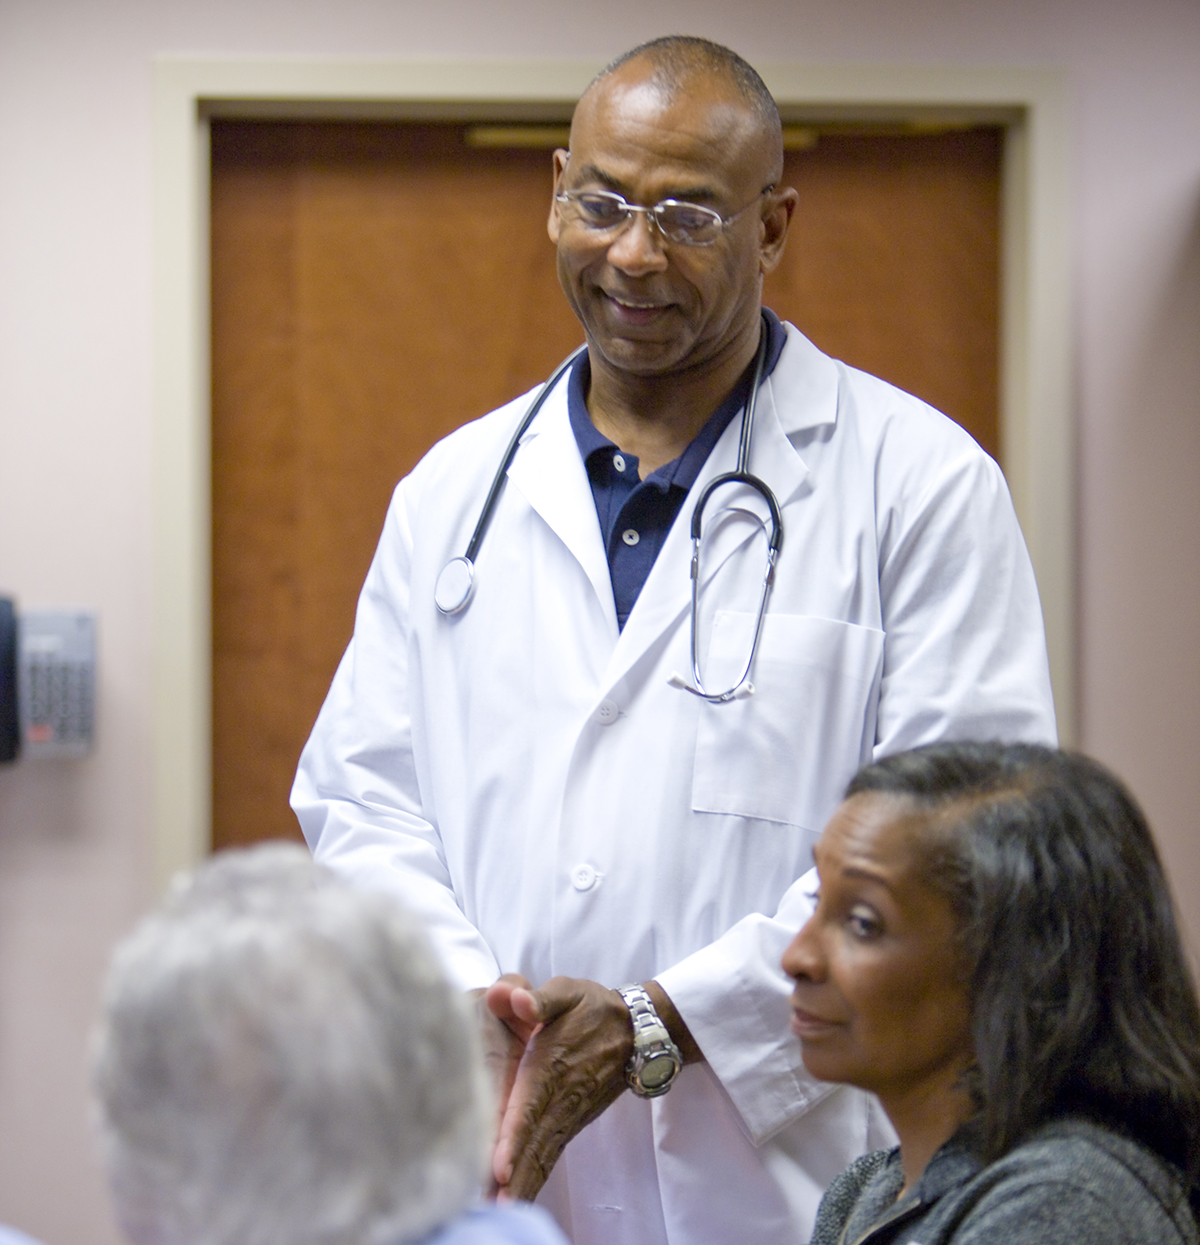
635,515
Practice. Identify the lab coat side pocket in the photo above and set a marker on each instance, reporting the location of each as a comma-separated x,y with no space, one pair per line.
785,753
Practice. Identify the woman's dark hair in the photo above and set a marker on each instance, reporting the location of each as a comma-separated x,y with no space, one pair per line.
1081,998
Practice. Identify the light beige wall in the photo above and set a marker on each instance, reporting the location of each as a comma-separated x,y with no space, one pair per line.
76,325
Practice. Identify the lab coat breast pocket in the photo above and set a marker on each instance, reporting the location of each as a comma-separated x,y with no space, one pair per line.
785,753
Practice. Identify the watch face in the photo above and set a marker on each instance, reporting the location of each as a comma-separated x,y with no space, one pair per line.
656,1072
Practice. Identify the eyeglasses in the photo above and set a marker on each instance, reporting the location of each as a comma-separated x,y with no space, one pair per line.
605,212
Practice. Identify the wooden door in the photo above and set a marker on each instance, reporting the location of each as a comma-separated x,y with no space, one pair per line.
374,285
893,263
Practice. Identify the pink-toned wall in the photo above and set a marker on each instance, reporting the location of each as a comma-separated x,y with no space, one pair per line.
75,417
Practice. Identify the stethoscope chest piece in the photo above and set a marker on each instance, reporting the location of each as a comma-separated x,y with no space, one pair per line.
454,585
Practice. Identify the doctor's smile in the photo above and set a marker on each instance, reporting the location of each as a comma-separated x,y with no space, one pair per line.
635,314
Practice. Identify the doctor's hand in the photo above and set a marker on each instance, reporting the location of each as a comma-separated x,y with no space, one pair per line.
580,1038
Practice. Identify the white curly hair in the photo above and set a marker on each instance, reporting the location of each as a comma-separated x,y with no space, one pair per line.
281,1061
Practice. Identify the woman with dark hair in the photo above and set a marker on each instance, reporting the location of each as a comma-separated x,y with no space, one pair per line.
994,953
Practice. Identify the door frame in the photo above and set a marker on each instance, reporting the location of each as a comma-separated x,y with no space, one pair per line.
1035,336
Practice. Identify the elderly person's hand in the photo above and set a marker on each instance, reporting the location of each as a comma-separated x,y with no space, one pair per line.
503,1036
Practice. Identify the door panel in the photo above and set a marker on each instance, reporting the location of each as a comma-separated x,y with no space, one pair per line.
374,285
893,263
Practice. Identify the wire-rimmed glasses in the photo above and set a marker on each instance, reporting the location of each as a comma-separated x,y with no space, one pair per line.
606,212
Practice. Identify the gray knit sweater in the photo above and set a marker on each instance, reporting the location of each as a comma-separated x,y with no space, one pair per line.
1071,1183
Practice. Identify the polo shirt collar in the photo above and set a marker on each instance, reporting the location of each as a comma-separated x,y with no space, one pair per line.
683,470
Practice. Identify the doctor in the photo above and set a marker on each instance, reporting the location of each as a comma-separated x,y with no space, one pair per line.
531,771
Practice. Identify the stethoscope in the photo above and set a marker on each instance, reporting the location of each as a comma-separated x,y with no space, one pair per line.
456,583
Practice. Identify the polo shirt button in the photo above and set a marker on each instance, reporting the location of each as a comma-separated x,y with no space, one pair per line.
630,537
619,461
607,712
583,877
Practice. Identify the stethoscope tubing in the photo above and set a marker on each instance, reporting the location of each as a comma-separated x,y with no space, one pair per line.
742,475
489,505
456,583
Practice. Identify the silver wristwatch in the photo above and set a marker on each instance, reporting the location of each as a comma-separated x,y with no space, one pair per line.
656,1059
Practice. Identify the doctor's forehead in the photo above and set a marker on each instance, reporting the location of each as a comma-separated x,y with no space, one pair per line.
700,119
643,89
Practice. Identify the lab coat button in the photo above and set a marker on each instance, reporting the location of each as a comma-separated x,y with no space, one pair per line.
608,712
583,877
630,537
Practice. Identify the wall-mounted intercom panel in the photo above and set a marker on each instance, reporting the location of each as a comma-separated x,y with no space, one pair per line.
47,682
10,731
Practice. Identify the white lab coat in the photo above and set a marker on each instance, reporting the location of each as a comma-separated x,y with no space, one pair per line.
525,775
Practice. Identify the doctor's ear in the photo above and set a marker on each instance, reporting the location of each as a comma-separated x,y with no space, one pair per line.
561,156
776,220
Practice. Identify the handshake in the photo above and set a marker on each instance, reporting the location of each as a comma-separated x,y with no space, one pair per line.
560,1055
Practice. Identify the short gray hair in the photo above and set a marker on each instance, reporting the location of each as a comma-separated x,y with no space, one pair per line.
281,1061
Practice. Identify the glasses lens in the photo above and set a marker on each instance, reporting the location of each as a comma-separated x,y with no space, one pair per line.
603,210
688,222
598,209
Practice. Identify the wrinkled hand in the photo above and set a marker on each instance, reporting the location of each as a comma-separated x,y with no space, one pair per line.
504,1036
579,1040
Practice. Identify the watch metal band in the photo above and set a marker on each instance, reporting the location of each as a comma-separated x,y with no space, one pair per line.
646,1021
656,1059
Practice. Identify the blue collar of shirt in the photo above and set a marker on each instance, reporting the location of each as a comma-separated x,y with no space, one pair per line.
682,471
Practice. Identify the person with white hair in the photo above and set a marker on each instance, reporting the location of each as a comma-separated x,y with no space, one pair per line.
281,1061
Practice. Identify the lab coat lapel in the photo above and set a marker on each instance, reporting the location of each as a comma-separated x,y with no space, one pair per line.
550,474
667,592
800,394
